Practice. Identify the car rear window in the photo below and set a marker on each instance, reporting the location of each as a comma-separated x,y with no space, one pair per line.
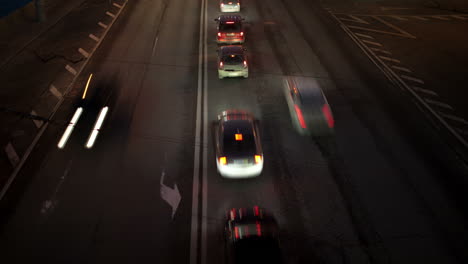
234,147
229,1
233,59
235,27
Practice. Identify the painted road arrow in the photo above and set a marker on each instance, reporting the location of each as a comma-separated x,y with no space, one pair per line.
171,196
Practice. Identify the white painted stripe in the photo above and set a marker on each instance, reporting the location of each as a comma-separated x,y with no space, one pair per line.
454,118
83,52
70,69
70,127
11,154
38,123
381,50
196,159
399,18
371,42
55,92
110,14
401,68
420,18
102,25
389,59
422,90
460,17
409,78
93,37
364,36
440,104
97,127
117,5
441,17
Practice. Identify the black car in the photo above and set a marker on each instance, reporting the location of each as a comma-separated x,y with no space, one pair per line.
251,236
230,29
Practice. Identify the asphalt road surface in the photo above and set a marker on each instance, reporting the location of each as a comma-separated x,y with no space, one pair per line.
376,192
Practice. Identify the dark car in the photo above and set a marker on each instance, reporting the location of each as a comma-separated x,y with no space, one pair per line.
308,106
238,149
252,236
230,29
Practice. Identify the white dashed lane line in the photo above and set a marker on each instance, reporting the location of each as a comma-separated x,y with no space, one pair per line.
409,78
389,59
426,91
364,36
102,25
437,103
93,37
454,118
401,68
371,42
381,50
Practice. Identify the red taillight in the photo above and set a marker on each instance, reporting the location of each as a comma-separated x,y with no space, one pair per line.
258,159
245,64
233,214
230,22
259,229
256,210
300,117
236,232
222,160
221,65
328,115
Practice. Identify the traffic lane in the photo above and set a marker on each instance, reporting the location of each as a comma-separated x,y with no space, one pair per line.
293,166
387,141
123,192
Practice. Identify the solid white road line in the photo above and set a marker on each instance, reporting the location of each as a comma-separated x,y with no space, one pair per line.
437,103
70,69
93,37
422,90
409,78
204,240
70,127
11,154
102,25
401,68
371,42
53,90
196,159
97,127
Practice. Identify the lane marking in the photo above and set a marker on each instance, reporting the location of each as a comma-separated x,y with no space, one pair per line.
204,226
389,8
381,50
196,159
409,78
49,205
93,37
440,104
70,127
460,17
154,45
389,59
454,118
86,87
110,14
102,25
372,42
419,89
83,52
364,36
11,154
355,19
38,123
171,196
401,69
117,5
70,69
53,90
399,18
420,18
401,31
97,127
441,18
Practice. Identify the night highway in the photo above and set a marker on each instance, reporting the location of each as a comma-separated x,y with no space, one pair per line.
125,124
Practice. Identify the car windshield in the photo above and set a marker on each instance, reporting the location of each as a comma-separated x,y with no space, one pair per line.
233,59
244,145
234,27
229,2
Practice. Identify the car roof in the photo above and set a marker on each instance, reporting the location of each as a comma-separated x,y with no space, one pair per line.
225,18
308,88
232,49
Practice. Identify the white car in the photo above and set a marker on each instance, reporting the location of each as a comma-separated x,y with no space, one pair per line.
238,149
232,62
229,5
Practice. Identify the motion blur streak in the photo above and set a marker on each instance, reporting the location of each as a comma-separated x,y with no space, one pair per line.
97,126
87,84
300,116
70,128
